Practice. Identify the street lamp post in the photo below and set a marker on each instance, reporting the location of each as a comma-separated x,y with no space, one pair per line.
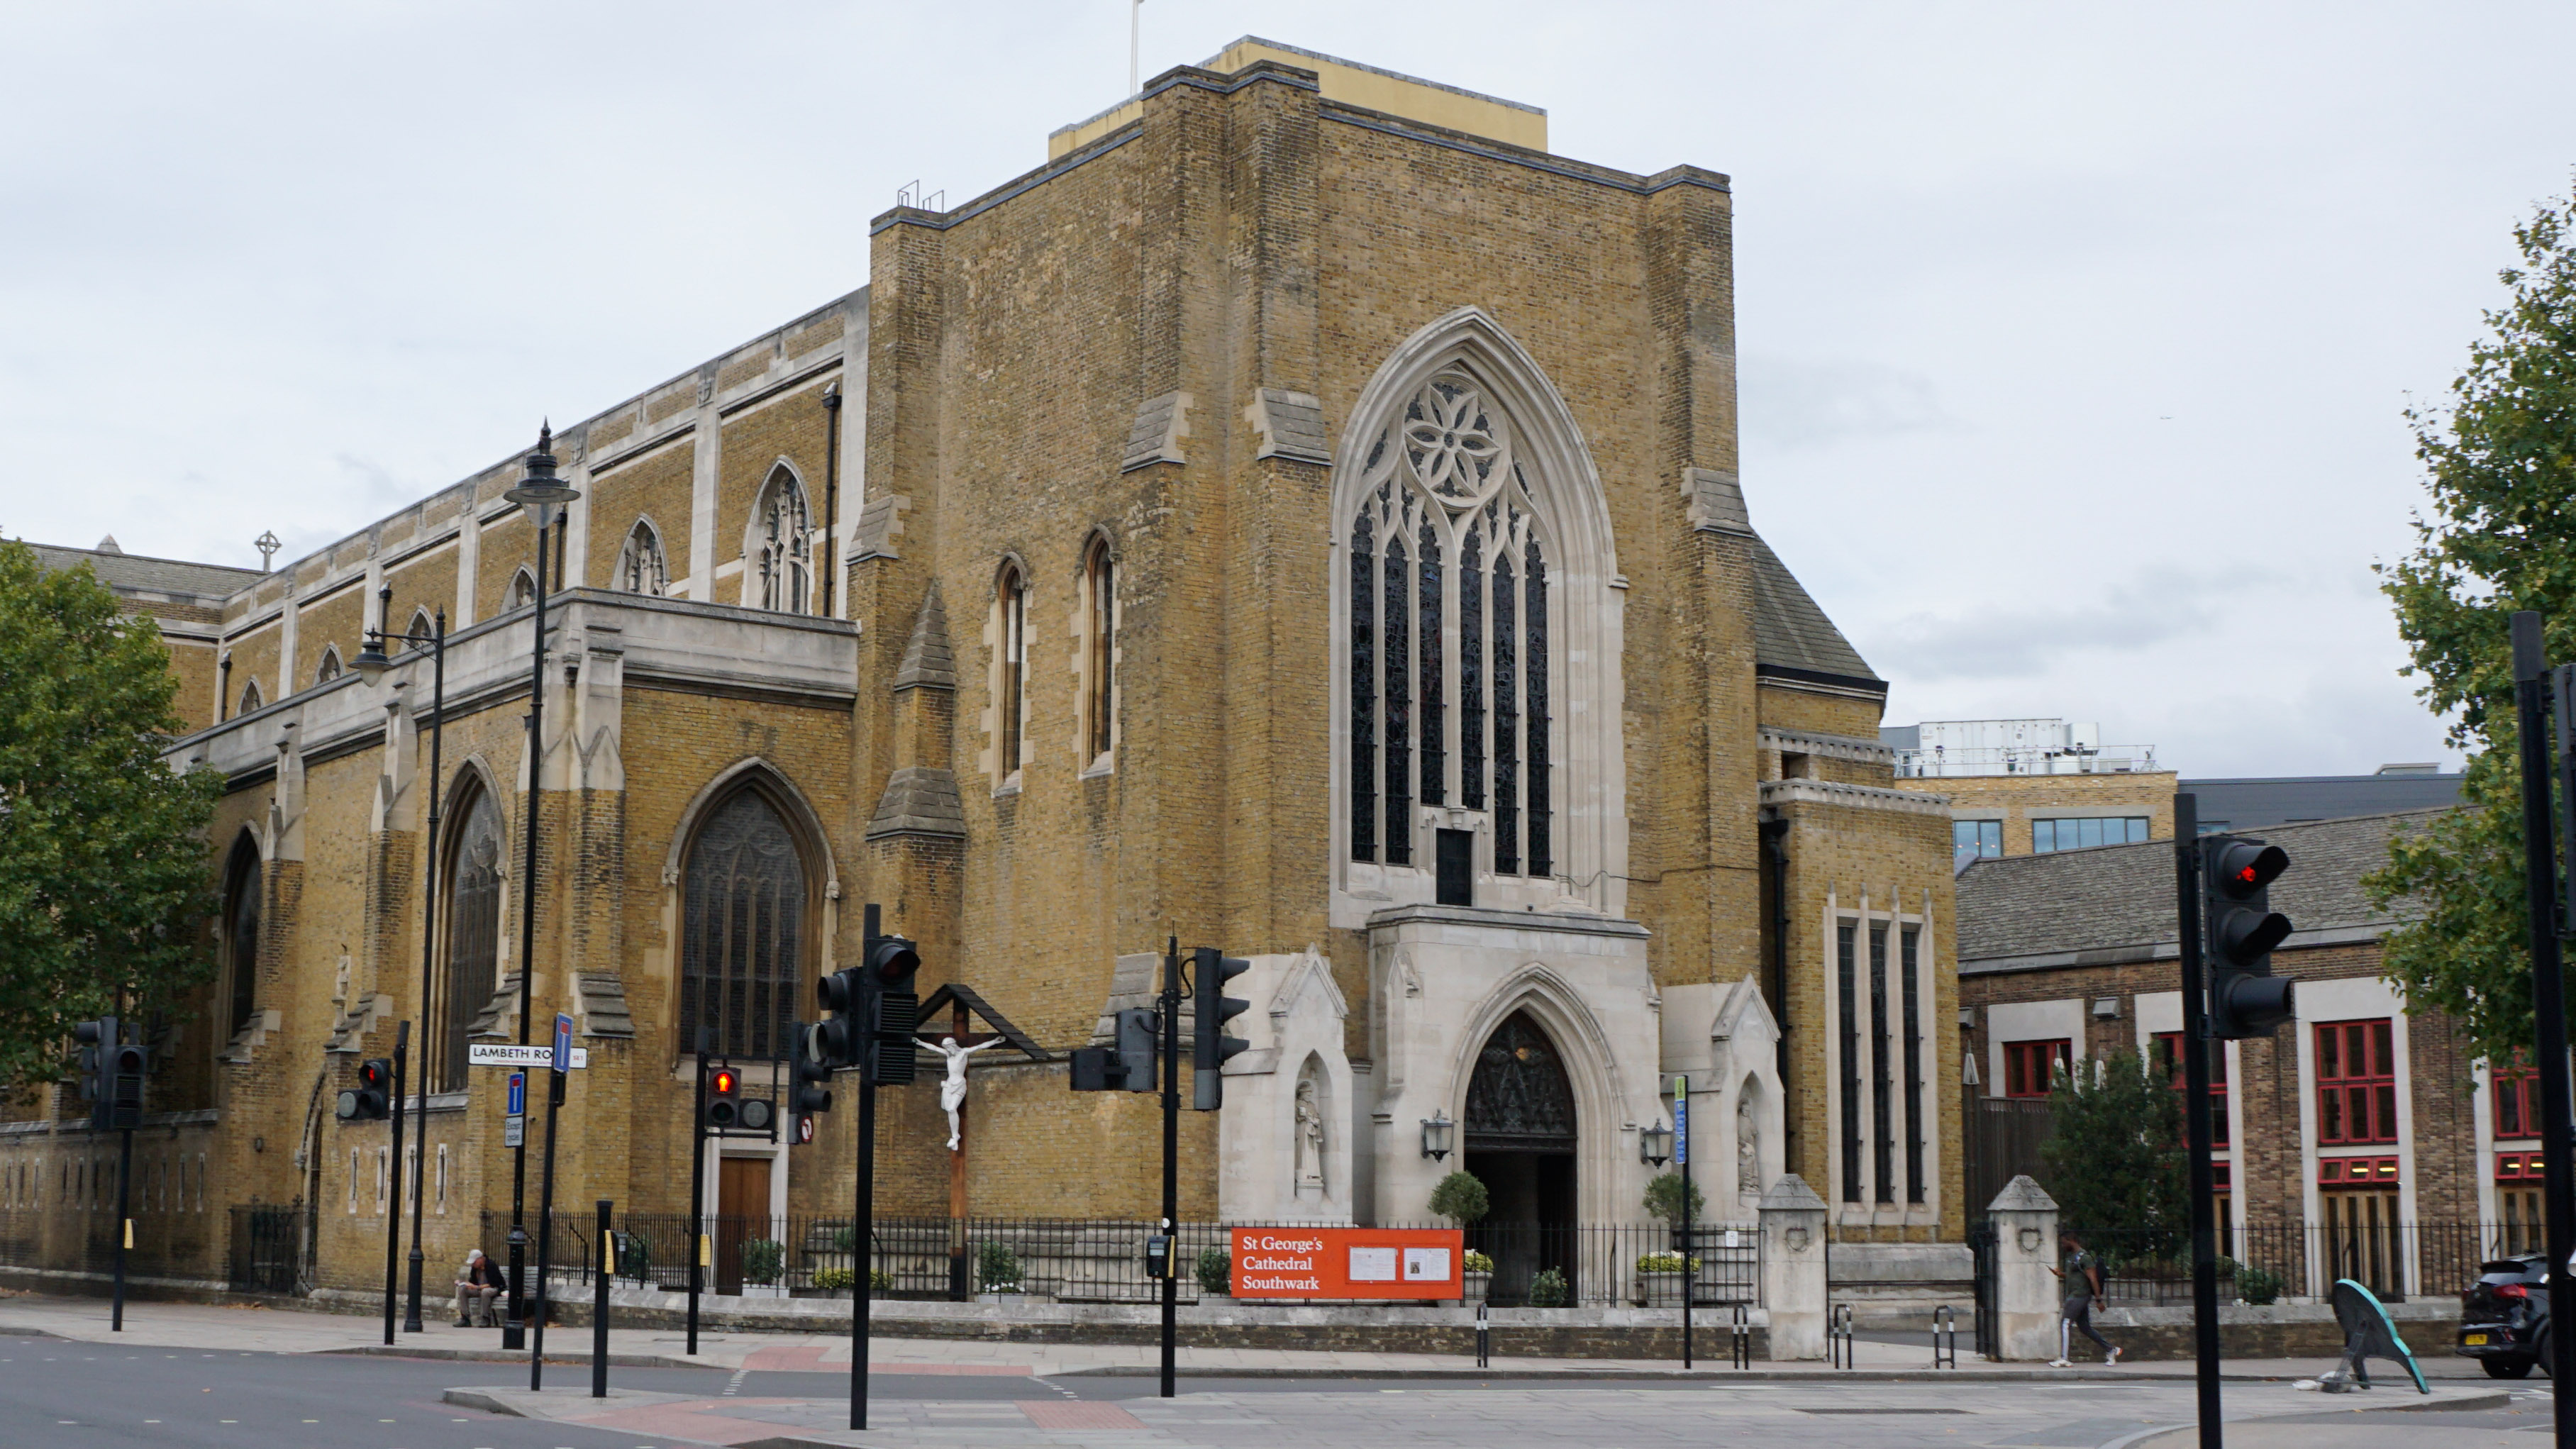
373,661
545,497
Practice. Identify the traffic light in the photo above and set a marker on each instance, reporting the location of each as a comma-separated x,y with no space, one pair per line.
1128,1064
839,1041
811,1095
372,1099
2245,998
94,1038
127,1067
724,1098
887,967
1209,1045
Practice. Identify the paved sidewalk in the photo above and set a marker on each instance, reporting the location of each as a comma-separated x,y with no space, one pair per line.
256,1329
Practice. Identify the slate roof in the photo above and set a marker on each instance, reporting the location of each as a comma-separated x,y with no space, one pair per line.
2115,896
1790,632
161,575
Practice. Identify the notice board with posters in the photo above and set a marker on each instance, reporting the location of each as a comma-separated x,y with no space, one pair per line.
1348,1262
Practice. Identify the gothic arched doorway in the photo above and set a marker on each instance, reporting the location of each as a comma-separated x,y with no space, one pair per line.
1520,1130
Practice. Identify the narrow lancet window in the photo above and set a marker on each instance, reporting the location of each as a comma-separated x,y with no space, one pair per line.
1542,859
1399,710
1435,683
1471,671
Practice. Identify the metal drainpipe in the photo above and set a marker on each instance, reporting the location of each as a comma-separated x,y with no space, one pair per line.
831,490
1775,845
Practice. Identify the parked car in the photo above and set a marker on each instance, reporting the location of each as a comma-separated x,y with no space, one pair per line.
2504,1319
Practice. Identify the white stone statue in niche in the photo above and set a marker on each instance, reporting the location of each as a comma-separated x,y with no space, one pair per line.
952,1090
1748,1153
1310,1137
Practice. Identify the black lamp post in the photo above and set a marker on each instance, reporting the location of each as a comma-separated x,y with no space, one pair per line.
544,497
372,662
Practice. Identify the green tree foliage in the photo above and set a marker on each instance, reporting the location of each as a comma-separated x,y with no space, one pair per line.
1461,1198
103,877
2115,1156
1664,1198
2499,535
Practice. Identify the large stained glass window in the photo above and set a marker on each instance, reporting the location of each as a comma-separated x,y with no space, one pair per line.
1449,635
742,936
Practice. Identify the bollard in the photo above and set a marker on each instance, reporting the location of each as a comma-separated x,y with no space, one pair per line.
1838,1336
1484,1336
1945,1337
599,1308
1741,1333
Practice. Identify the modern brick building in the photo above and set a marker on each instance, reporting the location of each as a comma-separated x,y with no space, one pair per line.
2363,1118
1292,519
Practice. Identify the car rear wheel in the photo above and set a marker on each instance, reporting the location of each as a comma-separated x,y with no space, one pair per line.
2506,1368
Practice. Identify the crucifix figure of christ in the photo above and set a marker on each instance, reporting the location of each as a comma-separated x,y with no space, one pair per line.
952,1091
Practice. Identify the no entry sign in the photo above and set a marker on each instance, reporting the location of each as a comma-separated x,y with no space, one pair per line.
1348,1262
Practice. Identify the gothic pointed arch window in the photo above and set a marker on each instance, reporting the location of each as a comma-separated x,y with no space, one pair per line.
1099,652
641,567
250,698
781,546
240,941
1010,671
470,959
745,904
1448,642
329,669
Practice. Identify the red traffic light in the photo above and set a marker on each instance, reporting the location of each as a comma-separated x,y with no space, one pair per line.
375,1074
2242,867
722,1082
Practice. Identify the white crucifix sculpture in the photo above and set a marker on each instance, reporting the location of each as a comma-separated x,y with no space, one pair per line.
952,1090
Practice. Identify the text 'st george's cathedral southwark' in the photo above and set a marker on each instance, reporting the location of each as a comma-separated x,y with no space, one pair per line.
1302,517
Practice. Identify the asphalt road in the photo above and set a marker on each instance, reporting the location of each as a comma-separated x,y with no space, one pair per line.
55,1393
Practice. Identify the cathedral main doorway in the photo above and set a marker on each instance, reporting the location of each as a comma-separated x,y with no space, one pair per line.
1520,1130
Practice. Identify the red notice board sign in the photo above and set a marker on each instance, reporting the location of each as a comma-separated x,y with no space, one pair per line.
1348,1262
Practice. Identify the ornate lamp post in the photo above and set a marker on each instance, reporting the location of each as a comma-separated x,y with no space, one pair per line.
372,662
545,498
1655,1143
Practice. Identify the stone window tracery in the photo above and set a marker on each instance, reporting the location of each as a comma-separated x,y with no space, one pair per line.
641,565
783,545
470,971
742,943
1449,641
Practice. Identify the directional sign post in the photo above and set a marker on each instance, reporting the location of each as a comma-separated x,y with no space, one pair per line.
561,1062
1690,1231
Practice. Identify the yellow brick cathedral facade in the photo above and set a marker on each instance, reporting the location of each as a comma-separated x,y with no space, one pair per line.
1284,524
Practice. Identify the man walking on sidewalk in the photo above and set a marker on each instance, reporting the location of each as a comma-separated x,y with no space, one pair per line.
2082,1275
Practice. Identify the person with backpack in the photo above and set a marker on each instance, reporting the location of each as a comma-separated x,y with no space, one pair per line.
2082,1274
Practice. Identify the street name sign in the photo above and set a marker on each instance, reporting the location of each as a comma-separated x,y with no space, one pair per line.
495,1054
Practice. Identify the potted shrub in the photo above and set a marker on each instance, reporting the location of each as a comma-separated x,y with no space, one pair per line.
1216,1273
1477,1275
835,1282
1461,1198
1549,1290
997,1274
764,1262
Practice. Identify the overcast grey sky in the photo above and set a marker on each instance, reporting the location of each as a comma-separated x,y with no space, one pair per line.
2024,290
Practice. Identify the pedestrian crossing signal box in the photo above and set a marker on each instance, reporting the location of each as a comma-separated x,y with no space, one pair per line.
1158,1256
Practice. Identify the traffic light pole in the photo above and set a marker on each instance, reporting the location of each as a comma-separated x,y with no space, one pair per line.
124,1225
2548,1003
393,1222
1171,1158
2197,1122
697,1189
863,1235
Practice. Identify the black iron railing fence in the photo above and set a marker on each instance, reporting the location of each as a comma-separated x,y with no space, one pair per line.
2266,1261
1090,1260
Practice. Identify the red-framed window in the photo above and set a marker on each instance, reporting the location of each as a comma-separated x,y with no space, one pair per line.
2356,1172
2028,1064
2168,1050
2517,1101
2356,1081
2517,1167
